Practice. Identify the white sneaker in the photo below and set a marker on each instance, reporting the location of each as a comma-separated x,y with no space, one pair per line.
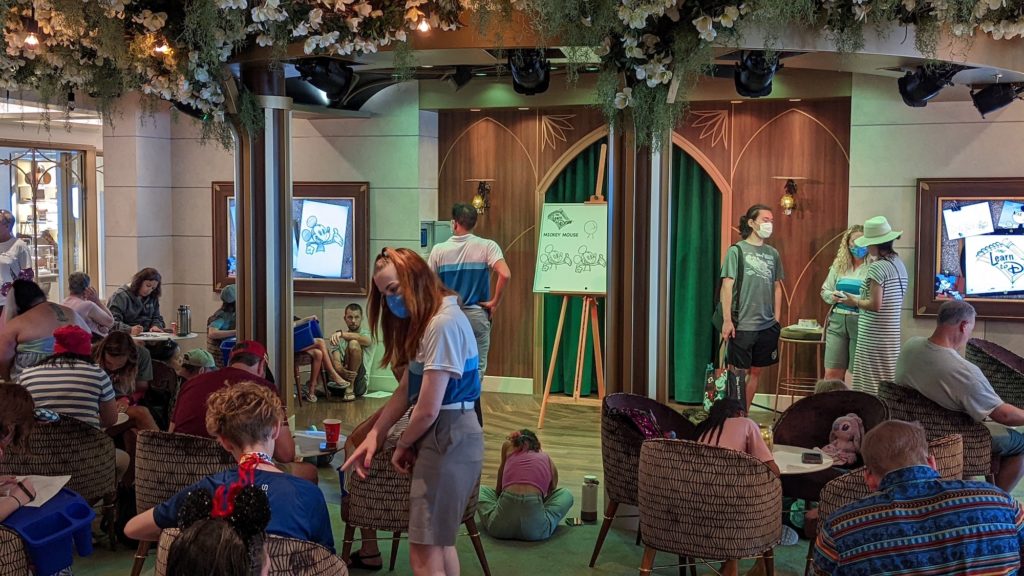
309,396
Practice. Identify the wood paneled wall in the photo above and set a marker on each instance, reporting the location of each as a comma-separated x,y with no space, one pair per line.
520,150
742,146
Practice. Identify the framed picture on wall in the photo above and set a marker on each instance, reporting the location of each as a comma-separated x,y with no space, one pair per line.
970,246
329,237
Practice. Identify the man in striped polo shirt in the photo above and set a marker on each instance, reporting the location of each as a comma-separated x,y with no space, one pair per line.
917,523
464,262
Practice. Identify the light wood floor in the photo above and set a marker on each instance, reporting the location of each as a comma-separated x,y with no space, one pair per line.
571,434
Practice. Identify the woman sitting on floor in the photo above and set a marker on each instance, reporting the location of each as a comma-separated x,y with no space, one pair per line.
246,419
727,426
527,503
16,421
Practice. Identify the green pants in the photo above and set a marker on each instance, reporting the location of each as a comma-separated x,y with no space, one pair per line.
528,517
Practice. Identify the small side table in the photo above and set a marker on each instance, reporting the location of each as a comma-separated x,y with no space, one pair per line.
788,382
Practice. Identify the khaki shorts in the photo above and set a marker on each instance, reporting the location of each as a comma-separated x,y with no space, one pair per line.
840,340
447,472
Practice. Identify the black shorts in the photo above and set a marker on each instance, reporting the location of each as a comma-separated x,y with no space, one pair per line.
754,347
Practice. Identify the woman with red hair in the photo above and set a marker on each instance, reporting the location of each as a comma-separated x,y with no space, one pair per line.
443,446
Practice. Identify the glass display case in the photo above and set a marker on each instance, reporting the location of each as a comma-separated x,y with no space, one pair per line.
46,200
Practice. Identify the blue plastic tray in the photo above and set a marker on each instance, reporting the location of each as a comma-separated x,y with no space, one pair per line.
50,531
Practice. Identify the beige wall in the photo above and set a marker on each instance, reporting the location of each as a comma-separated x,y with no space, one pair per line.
892,145
158,199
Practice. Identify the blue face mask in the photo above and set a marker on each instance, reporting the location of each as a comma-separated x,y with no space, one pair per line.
397,305
860,252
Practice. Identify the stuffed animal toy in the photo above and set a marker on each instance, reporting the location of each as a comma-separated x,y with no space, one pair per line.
844,440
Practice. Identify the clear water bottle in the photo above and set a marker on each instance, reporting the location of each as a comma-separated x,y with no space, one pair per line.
588,507
184,320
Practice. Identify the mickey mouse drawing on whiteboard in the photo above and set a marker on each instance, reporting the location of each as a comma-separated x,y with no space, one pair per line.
553,257
586,260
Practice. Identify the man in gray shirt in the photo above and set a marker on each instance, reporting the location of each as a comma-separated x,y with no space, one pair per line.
750,315
934,367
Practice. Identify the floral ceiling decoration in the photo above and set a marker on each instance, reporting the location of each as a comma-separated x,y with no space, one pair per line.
176,50
652,51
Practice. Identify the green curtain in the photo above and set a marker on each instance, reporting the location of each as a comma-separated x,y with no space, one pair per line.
696,237
575,184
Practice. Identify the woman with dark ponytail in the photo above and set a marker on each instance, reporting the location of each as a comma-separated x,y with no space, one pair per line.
727,426
527,503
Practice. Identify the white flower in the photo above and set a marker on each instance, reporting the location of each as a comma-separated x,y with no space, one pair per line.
909,5
413,15
152,21
706,27
316,17
860,11
624,98
202,75
300,29
353,23
635,19
995,4
265,40
401,35
270,11
605,48
363,9
731,15
232,4
961,29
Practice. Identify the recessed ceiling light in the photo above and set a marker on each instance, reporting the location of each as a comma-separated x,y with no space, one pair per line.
735,101
480,74
524,108
795,99
474,109
427,66
592,68
554,67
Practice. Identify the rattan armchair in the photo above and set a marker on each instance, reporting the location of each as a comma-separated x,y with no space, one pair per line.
1004,369
706,502
71,447
620,451
13,556
910,405
381,502
167,463
288,557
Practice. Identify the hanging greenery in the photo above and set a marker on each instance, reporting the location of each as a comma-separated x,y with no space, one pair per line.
176,50
652,52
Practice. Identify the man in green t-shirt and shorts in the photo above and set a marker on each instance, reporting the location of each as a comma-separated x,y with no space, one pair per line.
753,330
352,352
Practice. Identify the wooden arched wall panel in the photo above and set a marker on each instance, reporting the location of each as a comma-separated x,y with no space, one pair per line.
750,143
519,149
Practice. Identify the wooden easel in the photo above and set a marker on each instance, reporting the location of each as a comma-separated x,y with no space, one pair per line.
590,320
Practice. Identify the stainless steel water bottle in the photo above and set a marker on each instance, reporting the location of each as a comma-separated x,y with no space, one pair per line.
588,507
184,320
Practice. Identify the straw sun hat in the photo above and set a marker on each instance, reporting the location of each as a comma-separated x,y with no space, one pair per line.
877,231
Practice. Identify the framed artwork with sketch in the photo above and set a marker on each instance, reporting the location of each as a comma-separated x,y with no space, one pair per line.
329,237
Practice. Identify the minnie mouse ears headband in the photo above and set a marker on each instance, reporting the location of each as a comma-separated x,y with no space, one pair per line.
245,507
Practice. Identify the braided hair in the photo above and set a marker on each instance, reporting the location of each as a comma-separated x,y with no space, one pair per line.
525,440
721,410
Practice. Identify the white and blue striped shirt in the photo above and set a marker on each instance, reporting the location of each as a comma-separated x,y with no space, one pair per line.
75,388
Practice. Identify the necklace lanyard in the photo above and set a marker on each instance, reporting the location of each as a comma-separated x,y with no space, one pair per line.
224,499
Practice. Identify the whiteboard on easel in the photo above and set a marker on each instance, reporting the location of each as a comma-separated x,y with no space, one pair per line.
572,249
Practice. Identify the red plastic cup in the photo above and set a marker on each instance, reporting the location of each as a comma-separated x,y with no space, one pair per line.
332,429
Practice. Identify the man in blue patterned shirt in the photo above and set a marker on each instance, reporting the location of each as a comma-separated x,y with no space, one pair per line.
917,523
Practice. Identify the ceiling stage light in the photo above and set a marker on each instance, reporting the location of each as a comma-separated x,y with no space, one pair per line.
995,96
329,75
754,73
924,83
531,71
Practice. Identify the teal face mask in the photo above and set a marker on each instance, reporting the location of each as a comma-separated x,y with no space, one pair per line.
859,252
397,305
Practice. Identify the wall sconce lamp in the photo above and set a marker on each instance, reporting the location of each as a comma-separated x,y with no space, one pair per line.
482,199
788,200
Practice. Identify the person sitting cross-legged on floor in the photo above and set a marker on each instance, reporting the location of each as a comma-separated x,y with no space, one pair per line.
917,523
246,419
527,503
934,367
352,352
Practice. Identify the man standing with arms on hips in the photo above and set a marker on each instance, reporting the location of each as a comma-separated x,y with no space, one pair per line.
750,313
464,263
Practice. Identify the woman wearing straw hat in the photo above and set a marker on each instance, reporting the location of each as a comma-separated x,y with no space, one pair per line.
880,301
